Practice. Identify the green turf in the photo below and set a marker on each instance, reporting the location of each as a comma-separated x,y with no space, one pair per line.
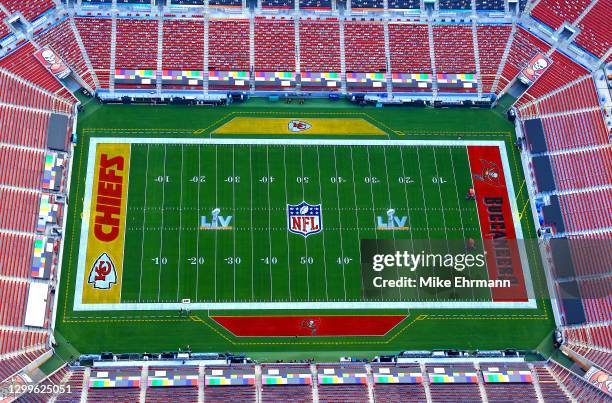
122,331
169,258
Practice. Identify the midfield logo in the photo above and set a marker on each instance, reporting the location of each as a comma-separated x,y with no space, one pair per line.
297,126
392,222
103,274
490,174
304,219
217,222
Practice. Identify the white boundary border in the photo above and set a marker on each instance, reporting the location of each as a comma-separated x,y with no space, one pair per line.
93,143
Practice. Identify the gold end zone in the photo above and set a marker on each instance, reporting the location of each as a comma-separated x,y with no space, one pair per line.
299,126
106,217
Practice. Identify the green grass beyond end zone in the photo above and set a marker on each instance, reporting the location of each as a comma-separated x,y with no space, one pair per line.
124,331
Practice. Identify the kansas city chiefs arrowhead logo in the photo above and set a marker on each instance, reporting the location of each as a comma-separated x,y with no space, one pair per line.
299,126
103,274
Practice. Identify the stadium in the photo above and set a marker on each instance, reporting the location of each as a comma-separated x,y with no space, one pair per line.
305,201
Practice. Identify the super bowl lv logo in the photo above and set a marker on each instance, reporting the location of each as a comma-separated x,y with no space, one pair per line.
103,274
391,221
304,219
217,221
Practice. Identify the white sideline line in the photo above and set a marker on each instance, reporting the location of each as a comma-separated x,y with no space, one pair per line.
79,306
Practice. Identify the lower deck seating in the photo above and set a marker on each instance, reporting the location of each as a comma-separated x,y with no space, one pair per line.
228,48
596,294
587,210
55,379
24,218
511,392
222,394
16,256
575,130
393,393
603,359
274,45
525,46
581,94
550,388
596,335
21,167
186,394
343,393
17,340
364,47
286,393
123,395
454,49
577,386
492,41
23,63
96,35
13,296
23,127
61,39
12,365
16,91
457,392
75,384
582,169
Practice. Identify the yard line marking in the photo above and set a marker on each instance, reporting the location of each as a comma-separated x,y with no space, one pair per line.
373,205
251,226
390,206
400,148
144,219
305,243
287,232
178,284
197,284
234,211
479,226
161,232
216,202
322,232
356,214
372,192
339,222
424,202
269,223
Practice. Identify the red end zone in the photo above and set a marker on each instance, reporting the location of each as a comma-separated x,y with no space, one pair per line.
291,326
497,225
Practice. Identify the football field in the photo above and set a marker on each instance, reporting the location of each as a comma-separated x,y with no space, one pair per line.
273,223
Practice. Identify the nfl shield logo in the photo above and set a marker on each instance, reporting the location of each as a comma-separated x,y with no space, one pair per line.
304,219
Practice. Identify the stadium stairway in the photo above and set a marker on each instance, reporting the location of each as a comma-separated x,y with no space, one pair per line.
432,56
476,55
